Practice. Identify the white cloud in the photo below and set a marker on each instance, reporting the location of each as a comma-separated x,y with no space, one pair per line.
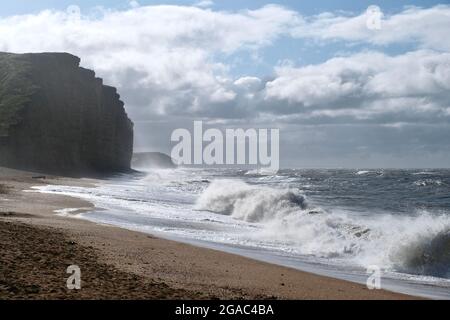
134,4
426,27
413,86
248,83
160,57
204,4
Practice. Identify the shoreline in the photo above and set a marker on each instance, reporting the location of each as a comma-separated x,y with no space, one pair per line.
142,266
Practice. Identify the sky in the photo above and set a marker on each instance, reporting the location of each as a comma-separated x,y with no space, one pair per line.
342,91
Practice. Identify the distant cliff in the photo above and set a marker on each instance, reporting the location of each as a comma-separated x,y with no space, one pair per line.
58,117
147,160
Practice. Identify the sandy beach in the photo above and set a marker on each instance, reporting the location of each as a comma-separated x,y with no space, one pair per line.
37,246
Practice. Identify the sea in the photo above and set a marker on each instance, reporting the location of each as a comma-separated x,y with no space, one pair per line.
341,223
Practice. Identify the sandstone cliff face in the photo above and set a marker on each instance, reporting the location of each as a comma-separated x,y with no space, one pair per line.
58,117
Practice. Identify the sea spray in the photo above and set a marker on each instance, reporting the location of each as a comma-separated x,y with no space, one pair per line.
249,203
418,244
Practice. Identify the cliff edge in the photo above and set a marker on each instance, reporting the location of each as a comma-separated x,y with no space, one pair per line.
57,117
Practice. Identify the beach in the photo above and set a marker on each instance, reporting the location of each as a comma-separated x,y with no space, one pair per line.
38,245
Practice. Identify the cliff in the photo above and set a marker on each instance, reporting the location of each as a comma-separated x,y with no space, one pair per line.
58,117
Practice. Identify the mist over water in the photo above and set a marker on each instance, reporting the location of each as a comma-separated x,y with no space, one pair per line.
398,220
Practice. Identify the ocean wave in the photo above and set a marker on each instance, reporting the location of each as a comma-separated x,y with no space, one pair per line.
428,182
423,173
422,248
260,172
368,172
250,203
428,255
417,244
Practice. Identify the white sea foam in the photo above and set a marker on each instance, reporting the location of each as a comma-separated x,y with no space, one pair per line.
417,244
249,203
70,212
260,172
368,172
423,173
428,182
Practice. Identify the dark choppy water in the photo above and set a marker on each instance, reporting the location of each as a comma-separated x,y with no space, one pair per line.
395,191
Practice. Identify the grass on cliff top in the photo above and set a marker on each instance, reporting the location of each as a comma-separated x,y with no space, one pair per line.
16,89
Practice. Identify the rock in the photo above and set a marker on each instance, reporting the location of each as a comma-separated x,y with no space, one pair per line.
57,117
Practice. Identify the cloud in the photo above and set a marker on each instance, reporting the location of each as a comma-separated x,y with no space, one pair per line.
164,59
424,27
371,86
248,83
134,3
160,57
204,4
146,28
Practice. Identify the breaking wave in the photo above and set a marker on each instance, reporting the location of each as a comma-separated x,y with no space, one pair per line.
250,203
429,255
417,244
368,172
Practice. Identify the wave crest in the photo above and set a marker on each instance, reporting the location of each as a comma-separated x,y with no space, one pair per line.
428,182
427,256
249,203
422,248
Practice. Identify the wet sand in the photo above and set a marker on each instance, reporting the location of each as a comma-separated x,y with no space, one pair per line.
37,246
